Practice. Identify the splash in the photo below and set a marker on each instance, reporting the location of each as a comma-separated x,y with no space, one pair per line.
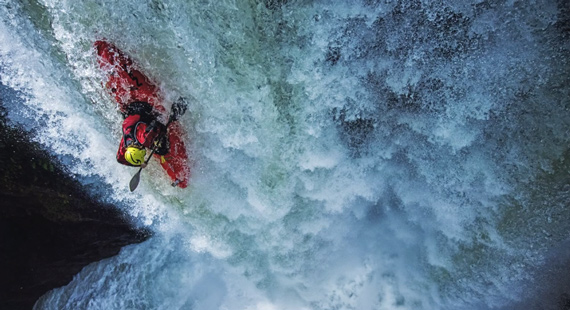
378,155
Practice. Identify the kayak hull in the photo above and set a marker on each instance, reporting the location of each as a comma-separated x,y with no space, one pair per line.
126,84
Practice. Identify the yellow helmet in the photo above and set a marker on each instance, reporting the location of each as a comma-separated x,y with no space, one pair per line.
135,155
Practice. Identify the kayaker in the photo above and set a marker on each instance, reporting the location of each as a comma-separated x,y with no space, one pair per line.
142,130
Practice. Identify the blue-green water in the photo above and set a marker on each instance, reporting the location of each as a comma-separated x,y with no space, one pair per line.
345,155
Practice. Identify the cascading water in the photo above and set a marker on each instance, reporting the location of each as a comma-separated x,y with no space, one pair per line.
367,155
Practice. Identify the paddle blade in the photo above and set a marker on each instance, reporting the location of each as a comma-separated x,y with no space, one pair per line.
135,181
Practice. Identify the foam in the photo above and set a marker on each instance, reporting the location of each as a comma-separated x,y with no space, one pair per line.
374,181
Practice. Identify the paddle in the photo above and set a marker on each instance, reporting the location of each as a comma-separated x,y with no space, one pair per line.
179,108
137,177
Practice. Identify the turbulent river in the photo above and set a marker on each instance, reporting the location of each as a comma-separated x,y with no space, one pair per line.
361,155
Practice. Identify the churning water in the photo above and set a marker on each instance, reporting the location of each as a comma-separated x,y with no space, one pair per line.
346,154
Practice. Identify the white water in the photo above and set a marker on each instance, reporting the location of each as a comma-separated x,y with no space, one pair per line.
390,155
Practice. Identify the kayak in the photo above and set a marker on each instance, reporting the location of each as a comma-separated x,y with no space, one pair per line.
127,84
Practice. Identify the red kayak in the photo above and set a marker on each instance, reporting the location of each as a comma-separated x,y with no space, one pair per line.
127,84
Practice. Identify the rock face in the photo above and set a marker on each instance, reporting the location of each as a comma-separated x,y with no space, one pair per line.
50,228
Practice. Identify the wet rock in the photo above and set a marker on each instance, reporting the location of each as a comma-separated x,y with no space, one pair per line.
50,227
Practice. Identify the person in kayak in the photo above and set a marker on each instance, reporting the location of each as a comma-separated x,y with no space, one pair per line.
142,130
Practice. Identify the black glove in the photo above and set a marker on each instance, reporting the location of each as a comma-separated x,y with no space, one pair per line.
161,145
179,108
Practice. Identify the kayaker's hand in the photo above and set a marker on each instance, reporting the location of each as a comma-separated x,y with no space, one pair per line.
179,108
161,145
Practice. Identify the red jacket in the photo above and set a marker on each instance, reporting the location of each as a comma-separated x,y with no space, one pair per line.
135,130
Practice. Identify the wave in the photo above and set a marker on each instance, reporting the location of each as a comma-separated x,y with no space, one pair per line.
372,155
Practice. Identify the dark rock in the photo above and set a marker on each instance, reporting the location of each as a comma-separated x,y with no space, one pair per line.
50,227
